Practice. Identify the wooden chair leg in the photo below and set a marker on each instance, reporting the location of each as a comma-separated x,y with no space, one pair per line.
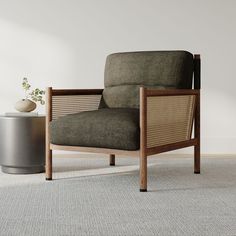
197,161
112,160
197,153
49,164
143,173
47,137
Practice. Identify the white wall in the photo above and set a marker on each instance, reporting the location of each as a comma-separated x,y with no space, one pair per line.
64,43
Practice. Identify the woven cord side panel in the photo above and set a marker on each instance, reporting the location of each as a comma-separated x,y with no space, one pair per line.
70,104
169,119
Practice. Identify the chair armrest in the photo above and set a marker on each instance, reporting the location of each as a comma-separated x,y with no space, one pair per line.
166,118
170,92
70,92
61,102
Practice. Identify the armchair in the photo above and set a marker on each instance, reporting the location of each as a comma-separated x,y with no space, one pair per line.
147,107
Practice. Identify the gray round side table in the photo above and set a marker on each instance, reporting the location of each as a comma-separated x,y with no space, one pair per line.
22,144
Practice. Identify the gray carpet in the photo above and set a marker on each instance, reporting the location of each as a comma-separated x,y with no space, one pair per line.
178,202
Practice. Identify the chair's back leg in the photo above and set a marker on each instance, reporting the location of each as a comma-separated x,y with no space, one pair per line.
197,135
47,138
112,160
197,85
48,164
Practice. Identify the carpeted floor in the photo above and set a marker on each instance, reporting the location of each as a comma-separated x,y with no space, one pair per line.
90,198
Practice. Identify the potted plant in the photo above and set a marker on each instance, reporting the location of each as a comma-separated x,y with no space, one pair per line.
28,104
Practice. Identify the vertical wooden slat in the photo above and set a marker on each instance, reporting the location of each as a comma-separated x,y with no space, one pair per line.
197,126
197,71
143,140
48,119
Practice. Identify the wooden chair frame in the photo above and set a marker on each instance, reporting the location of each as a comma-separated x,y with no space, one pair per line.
144,150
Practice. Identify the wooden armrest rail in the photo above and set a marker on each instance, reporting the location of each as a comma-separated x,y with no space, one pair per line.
170,92
67,92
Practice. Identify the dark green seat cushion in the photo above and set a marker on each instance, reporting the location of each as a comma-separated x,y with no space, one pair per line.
105,128
126,72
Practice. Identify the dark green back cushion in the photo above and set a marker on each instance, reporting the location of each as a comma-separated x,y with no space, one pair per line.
126,72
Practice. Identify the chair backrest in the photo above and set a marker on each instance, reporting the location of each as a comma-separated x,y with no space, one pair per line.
126,72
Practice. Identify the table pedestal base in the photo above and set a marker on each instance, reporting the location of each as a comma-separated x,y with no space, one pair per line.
23,170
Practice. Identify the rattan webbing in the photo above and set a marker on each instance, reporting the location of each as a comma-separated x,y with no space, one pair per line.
64,105
169,119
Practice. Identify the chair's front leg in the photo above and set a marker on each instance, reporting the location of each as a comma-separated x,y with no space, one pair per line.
143,173
143,140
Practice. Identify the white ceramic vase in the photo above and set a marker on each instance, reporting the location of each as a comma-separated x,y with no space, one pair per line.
25,105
